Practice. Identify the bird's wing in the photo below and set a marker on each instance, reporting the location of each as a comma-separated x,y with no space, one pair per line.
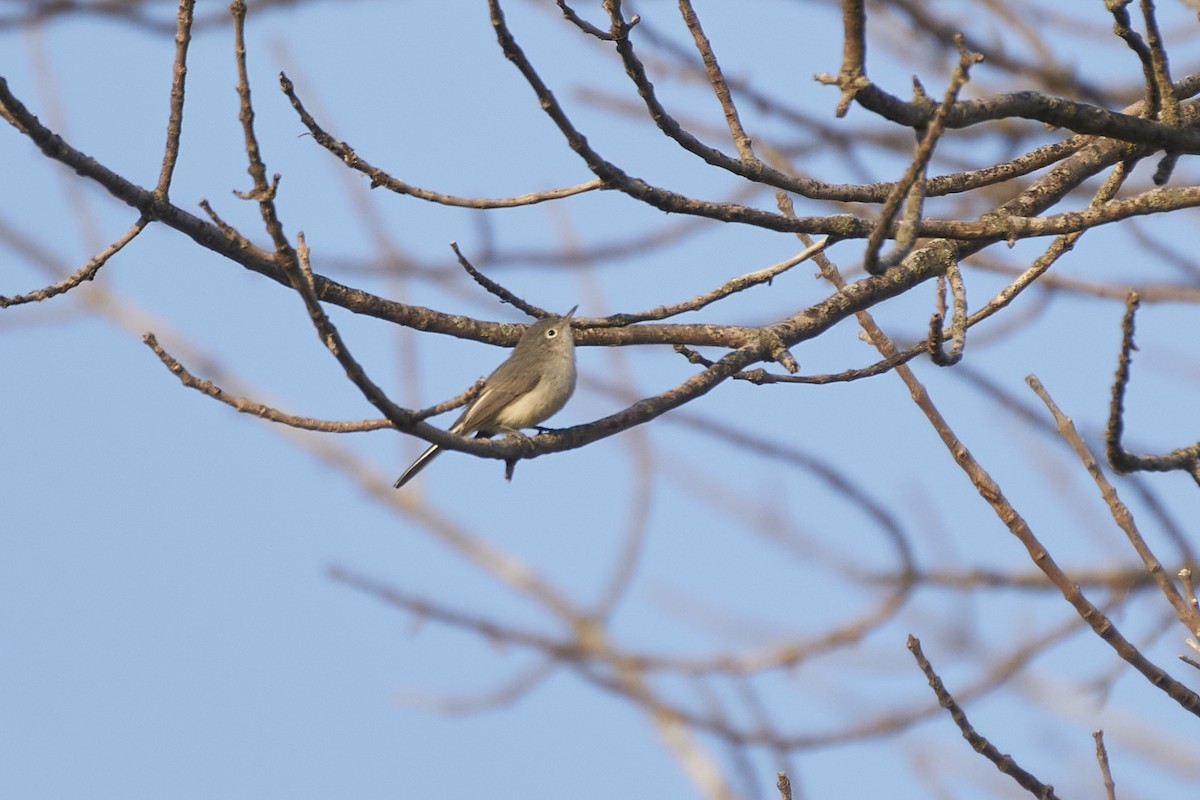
502,387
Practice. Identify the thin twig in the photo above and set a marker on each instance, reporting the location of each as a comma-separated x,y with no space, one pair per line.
183,38
507,692
1119,511
494,288
1123,27
1185,578
910,189
1110,788
1169,105
231,233
784,785
85,273
731,286
958,319
716,79
1161,103
1003,762
247,406
402,418
582,23
1186,459
346,154
486,627
263,191
853,75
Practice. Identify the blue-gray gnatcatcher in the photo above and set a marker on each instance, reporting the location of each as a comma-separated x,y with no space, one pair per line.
531,386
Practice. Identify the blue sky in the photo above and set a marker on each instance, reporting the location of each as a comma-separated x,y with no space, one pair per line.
168,623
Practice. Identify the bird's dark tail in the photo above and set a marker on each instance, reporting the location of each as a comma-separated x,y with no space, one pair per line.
418,465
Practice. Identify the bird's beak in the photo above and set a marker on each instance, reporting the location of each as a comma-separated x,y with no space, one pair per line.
569,314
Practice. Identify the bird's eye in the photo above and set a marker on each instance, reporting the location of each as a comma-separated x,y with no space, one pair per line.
550,334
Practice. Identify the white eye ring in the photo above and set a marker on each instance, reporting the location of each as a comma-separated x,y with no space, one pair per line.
550,334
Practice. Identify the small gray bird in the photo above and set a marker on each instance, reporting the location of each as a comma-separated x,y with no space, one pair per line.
531,386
